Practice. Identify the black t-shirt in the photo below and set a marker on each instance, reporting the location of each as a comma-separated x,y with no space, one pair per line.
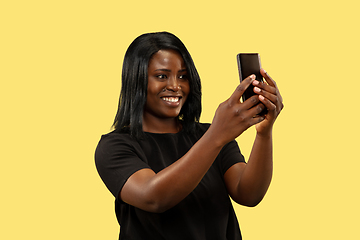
206,213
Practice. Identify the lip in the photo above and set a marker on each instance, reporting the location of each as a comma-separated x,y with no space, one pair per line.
169,100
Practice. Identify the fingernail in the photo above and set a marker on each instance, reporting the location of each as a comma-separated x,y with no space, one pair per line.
261,97
256,89
252,76
256,82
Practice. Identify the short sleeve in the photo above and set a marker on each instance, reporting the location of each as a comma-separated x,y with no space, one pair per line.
117,157
229,155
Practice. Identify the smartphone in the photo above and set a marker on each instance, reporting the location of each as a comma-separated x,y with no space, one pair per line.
249,63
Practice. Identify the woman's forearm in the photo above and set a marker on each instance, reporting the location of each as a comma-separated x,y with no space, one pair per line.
257,175
161,191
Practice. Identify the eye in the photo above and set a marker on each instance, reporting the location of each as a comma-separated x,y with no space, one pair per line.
161,76
184,76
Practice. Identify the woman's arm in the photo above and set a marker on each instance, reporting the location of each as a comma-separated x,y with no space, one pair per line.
159,192
248,183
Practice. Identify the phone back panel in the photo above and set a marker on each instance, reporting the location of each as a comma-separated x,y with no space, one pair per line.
249,63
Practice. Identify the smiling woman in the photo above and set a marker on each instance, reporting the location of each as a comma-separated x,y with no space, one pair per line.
171,176
135,73
168,88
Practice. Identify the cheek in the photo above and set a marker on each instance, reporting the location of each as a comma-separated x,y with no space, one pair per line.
152,90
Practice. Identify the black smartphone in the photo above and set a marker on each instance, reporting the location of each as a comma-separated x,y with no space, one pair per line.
249,63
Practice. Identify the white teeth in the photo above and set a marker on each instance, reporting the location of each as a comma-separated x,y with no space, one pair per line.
171,99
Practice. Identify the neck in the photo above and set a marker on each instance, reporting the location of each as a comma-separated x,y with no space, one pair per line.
170,125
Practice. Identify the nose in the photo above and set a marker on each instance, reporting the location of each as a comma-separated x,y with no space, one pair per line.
173,84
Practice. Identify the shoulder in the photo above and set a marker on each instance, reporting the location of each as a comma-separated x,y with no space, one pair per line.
115,136
118,149
117,157
115,143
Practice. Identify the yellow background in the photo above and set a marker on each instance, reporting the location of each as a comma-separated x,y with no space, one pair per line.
60,81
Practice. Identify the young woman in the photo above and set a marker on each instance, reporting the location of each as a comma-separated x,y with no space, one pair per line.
172,176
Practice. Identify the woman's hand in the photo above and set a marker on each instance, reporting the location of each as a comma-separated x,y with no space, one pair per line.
269,95
232,117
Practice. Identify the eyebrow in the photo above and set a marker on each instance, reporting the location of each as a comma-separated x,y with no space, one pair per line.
168,70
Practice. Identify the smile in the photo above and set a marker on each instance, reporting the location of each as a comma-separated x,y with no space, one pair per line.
171,99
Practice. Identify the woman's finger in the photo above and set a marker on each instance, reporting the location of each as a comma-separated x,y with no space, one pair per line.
267,77
240,89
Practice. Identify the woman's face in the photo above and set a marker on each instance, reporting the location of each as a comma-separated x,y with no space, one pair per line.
168,85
